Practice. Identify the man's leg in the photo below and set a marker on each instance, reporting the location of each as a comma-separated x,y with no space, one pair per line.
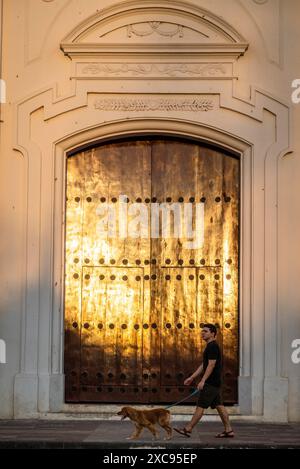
224,417
195,419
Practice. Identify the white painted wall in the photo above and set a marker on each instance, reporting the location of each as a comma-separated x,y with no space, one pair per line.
48,111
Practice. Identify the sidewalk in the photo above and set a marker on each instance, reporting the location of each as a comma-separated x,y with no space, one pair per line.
50,434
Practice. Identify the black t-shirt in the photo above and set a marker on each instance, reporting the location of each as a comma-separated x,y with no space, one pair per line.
212,352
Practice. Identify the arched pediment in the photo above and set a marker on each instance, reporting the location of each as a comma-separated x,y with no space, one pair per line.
149,27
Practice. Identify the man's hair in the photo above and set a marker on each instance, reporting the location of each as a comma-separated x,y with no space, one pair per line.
211,327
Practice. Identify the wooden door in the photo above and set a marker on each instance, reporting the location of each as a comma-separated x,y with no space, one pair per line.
135,302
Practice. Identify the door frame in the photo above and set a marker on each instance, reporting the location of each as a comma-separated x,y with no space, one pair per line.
163,128
39,386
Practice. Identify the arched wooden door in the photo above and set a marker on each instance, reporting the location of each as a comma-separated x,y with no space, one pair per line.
135,300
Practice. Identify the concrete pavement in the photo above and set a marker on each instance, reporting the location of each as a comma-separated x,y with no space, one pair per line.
105,434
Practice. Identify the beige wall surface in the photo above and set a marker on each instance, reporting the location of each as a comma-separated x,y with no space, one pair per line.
77,71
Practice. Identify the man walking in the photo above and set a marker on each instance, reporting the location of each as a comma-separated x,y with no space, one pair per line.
209,386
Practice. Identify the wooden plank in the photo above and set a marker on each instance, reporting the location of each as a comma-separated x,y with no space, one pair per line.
73,262
180,336
231,182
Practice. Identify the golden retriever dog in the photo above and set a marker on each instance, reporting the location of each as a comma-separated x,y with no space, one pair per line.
147,419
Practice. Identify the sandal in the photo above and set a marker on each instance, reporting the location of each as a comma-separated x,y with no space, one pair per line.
225,434
183,431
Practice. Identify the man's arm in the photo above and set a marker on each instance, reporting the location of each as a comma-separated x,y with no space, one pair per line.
191,378
208,372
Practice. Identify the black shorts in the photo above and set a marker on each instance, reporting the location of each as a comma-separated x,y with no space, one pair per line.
210,396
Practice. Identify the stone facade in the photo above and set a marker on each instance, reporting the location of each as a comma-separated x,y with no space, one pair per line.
78,72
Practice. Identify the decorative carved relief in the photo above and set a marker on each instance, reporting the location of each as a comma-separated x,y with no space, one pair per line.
159,27
155,69
124,28
154,104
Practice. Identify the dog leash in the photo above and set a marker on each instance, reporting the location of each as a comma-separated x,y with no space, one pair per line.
182,400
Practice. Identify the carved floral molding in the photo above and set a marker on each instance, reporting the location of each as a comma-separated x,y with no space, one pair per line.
154,70
154,104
